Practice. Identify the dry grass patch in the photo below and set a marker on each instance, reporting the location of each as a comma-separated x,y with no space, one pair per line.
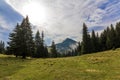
92,70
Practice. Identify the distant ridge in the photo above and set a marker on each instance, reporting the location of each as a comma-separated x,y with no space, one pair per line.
67,45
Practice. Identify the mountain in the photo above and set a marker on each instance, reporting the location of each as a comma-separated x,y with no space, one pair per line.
67,45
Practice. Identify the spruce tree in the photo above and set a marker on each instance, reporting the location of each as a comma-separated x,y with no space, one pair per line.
14,42
94,42
85,40
40,49
53,50
27,43
2,47
103,40
117,31
113,37
98,43
42,45
38,42
89,44
79,48
21,40
46,52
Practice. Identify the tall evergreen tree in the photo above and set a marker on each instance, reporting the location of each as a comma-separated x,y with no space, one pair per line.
108,41
85,41
79,48
117,31
14,42
94,42
46,52
42,45
103,39
27,43
21,40
113,37
40,49
38,42
53,50
98,43
89,48
2,47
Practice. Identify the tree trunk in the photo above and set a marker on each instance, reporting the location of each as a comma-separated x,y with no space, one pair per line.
16,55
23,56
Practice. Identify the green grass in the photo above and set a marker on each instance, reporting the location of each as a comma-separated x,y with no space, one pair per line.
97,66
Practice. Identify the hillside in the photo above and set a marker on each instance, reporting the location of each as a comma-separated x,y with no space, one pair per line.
98,66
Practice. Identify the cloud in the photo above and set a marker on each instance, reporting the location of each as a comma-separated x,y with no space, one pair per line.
64,18
8,19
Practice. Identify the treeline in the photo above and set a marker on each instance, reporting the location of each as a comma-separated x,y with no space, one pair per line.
94,42
108,39
22,43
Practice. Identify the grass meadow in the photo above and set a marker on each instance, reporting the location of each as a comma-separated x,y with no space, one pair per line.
96,66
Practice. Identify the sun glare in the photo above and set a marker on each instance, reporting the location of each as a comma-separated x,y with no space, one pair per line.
36,12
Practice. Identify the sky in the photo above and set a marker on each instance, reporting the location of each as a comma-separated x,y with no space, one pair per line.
59,19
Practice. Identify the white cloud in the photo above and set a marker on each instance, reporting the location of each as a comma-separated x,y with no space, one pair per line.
4,29
3,23
65,17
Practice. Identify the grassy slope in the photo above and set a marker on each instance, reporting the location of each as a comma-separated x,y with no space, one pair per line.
98,66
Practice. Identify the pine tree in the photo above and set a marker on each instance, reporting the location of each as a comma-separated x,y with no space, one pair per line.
42,45
103,40
117,31
89,47
38,42
98,43
14,42
40,49
79,48
85,41
111,37
21,40
27,43
46,52
53,50
93,42
2,47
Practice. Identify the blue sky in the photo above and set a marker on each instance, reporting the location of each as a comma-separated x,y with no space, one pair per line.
59,18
